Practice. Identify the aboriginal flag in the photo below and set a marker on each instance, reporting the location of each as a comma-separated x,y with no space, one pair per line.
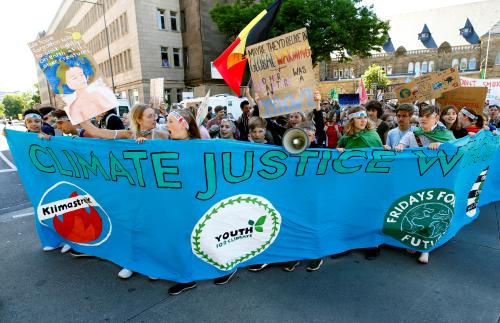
232,62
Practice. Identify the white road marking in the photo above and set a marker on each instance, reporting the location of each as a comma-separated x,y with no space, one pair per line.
22,215
8,162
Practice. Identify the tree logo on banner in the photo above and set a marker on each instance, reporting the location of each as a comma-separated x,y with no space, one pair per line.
74,214
235,230
418,220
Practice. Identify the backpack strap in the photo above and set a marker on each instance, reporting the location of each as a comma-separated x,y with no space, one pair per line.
419,141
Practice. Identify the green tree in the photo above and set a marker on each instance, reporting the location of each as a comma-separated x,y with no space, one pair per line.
375,77
333,26
14,104
31,97
2,110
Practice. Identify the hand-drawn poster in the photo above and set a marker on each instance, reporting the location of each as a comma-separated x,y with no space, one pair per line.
282,74
73,74
156,92
466,96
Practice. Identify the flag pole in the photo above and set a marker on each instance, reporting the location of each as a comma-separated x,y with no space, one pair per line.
487,53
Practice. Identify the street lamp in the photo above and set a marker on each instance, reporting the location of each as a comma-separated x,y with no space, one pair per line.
107,39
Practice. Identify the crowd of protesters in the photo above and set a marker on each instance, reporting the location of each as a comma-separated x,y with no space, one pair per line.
374,124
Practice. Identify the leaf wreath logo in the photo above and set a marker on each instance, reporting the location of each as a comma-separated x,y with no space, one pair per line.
235,230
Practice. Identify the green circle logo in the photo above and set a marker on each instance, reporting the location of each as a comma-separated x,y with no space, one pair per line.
405,93
420,219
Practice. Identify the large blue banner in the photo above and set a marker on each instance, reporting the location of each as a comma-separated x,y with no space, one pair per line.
190,210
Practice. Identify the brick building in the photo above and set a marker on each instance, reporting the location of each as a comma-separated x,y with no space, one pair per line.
426,41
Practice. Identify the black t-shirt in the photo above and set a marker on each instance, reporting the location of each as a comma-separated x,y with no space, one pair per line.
381,130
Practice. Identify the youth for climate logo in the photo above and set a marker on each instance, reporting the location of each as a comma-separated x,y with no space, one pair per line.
420,219
235,230
74,214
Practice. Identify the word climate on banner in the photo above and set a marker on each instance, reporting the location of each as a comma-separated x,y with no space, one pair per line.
73,74
282,74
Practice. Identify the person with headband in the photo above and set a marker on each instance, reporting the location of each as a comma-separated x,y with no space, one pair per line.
33,122
360,133
66,127
470,120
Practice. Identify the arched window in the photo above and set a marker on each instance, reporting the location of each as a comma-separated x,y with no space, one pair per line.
431,66
424,67
472,63
463,64
335,74
341,73
417,68
346,73
410,68
454,62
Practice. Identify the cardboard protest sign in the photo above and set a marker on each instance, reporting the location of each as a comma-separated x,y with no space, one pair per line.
73,74
428,86
493,86
202,111
282,74
156,92
348,99
471,97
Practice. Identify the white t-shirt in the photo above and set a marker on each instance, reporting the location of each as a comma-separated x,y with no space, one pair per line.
395,135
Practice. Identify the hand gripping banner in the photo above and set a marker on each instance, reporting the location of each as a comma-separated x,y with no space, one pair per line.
190,210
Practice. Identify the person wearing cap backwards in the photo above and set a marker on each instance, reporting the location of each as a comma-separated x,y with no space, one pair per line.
47,127
494,115
431,135
63,124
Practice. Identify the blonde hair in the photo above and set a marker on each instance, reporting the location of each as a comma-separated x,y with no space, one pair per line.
349,128
136,115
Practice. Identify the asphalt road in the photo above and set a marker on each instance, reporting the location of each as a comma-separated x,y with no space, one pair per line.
460,284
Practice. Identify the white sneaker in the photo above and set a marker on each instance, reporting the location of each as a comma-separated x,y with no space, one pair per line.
125,273
48,248
424,258
65,248
152,278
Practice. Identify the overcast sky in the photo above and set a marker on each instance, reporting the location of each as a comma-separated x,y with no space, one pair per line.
21,20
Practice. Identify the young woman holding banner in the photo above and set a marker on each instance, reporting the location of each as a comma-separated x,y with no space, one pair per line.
360,133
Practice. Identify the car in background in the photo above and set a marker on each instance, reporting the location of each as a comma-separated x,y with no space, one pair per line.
230,101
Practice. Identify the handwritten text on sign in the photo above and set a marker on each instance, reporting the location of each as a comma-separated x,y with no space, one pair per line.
282,74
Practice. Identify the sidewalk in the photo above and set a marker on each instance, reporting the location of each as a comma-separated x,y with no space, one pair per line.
460,284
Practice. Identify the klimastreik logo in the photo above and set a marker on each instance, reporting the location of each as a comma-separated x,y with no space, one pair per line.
235,230
420,219
74,214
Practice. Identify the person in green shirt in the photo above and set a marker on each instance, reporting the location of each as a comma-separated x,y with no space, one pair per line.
359,132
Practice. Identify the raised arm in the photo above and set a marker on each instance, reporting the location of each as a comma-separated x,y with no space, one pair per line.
105,133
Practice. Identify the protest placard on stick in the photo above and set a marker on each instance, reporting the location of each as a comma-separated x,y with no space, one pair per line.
282,74
470,97
73,74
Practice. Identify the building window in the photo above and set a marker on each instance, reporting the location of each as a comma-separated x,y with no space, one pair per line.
177,58
463,64
352,72
389,70
185,57
135,96
341,73
497,59
410,68
472,64
335,74
346,73
179,95
183,21
454,62
424,67
417,68
161,18
164,57
173,20
431,66
168,93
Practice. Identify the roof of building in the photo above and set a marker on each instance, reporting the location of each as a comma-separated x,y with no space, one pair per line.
444,24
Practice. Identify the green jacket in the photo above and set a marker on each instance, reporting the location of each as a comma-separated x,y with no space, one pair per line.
362,139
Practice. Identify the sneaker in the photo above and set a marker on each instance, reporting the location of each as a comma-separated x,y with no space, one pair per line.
290,266
372,253
75,253
257,267
424,258
179,288
49,248
314,265
152,278
225,279
65,248
125,273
